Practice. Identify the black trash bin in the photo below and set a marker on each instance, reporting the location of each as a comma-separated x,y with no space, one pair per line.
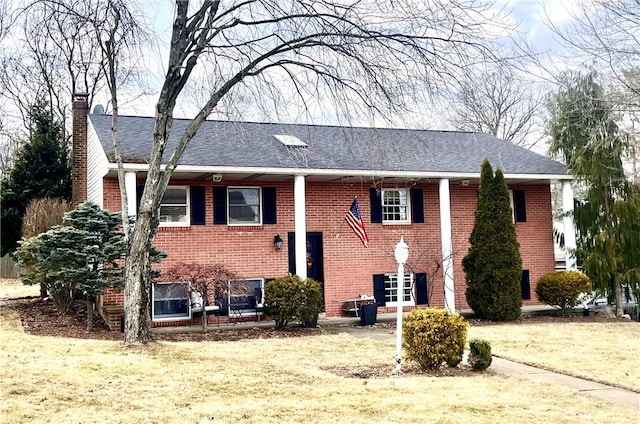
368,314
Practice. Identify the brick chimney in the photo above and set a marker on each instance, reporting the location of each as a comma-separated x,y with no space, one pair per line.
79,149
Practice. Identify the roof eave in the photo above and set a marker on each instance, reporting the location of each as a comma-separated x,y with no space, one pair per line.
372,173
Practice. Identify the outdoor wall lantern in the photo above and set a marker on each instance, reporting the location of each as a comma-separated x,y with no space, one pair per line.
277,242
401,254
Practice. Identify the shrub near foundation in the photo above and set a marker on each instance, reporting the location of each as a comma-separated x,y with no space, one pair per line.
562,289
292,299
433,336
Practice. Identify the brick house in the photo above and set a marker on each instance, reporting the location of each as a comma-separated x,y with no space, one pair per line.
242,186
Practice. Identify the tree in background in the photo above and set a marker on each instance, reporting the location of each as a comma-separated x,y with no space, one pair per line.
41,170
493,267
83,256
603,35
496,101
585,134
56,53
40,216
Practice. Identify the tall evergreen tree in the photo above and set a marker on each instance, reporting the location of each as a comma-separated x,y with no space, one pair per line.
493,266
586,135
41,170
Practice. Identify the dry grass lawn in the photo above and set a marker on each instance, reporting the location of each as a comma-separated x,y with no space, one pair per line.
603,352
12,289
47,379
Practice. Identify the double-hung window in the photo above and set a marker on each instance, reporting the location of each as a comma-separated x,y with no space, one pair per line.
170,301
244,205
392,290
174,207
395,207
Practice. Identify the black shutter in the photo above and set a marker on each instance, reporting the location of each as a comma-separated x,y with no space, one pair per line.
519,206
376,206
417,206
139,190
269,208
378,289
525,285
220,205
422,297
197,205
291,249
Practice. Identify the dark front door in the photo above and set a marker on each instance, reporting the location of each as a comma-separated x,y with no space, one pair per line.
315,265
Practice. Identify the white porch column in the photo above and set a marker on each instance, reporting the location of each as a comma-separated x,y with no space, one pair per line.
300,223
130,186
447,244
569,226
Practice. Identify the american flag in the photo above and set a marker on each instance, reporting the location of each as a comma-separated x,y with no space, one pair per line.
355,222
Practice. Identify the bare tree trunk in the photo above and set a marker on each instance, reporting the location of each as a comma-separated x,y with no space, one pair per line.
137,324
618,297
89,303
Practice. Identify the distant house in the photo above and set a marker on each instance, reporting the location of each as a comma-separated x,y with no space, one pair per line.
241,186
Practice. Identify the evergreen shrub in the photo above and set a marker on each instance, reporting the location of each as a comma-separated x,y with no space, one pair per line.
290,298
479,354
433,336
562,289
493,266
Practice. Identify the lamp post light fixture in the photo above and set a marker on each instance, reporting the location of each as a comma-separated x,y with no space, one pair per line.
277,242
401,254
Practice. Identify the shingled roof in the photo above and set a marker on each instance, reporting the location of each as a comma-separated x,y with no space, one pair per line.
250,144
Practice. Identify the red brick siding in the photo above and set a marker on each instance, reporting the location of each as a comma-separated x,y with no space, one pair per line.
348,266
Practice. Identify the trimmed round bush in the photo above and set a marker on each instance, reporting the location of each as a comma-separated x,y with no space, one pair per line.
479,354
289,298
433,336
562,289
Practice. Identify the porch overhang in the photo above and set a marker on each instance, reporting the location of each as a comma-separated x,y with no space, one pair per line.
189,172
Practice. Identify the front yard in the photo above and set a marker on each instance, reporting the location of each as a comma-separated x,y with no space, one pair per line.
296,379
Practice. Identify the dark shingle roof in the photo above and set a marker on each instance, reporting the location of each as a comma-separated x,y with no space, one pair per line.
246,144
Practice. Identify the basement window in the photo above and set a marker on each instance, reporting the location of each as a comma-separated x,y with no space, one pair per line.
170,301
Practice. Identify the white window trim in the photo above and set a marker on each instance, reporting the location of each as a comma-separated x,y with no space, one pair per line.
404,222
512,205
245,224
187,223
173,318
247,310
411,279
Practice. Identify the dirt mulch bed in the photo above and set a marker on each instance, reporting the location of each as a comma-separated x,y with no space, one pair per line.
42,319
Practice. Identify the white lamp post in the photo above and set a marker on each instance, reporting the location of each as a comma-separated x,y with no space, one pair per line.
401,254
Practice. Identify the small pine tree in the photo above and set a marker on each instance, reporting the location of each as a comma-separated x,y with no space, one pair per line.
81,256
493,266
